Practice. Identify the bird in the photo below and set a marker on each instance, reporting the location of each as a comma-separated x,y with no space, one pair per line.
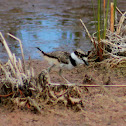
65,60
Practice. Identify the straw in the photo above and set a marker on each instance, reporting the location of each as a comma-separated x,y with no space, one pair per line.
21,49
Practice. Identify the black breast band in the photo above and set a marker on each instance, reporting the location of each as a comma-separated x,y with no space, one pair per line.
73,62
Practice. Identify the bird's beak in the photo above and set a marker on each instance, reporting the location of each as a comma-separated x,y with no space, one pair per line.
85,60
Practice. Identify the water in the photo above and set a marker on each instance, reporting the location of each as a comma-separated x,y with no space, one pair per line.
51,25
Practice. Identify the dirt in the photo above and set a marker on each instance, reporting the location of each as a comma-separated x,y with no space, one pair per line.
100,107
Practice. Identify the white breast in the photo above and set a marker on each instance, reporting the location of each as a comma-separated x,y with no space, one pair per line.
67,66
78,61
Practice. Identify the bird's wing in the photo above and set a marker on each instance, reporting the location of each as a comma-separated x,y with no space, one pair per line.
61,56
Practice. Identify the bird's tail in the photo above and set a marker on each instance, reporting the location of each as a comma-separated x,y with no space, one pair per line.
40,50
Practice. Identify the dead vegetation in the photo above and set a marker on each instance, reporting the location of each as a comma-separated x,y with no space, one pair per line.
19,85
113,46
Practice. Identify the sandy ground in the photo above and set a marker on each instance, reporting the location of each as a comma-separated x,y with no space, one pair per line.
100,107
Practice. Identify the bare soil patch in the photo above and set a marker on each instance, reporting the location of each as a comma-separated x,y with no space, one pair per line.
100,107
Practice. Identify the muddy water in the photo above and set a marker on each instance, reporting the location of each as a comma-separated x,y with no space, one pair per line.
48,24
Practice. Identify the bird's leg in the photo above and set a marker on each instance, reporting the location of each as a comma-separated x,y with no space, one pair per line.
60,73
49,68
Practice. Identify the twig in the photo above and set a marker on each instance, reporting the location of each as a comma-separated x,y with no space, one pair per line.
87,85
102,85
11,66
6,95
118,10
120,23
87,30
6,47
20,47
33,103
20,65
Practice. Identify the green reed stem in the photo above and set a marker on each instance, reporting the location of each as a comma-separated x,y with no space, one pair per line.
106,19
99,51
99,19
94,14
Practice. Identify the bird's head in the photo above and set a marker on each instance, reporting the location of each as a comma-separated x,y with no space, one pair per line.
81,57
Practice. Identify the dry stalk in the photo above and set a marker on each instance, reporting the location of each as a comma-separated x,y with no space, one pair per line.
123,17
87,31
6,47
14,65
11,66
19,63
7,95
34,104
112,17
119,10
20,47
87,85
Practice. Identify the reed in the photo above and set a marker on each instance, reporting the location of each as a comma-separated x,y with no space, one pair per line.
101,25
105,18
99,49
112,18
115,4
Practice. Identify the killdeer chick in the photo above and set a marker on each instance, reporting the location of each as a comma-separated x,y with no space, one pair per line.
64,59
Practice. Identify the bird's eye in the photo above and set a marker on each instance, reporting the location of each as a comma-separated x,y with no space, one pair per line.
83,55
